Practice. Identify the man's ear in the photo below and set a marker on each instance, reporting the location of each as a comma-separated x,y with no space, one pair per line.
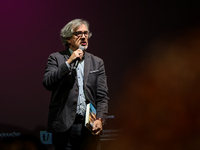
68,40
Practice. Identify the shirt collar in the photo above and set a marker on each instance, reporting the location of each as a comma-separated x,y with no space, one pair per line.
71,51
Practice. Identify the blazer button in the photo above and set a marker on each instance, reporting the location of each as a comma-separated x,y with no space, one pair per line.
76,90
75,102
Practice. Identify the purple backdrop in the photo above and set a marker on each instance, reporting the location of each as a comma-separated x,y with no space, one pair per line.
30,32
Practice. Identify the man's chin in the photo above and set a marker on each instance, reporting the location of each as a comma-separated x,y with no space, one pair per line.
85,47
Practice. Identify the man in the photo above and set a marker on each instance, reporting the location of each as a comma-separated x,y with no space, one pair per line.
73,87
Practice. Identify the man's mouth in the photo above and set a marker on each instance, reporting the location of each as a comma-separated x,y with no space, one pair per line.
83,43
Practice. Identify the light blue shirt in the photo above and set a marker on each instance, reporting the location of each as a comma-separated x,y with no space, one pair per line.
81,103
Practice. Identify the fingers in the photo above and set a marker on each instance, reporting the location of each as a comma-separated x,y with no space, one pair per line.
96,132
78,41
97,127
79,54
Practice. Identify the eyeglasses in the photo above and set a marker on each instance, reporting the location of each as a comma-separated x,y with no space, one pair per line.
80,33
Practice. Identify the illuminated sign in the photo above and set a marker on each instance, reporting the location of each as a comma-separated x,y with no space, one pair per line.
45,137
13,134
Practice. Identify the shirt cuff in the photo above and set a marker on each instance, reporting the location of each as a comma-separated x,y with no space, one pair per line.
68,65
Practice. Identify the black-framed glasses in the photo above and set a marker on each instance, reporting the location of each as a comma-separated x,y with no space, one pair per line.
80,33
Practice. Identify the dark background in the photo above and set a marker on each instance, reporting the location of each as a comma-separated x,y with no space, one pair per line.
121,31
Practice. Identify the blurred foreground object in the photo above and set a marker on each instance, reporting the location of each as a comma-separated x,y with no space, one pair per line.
161,97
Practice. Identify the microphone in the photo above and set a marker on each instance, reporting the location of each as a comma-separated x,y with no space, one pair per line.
77,61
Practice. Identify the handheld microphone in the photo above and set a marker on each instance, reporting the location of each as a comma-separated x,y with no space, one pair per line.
77,61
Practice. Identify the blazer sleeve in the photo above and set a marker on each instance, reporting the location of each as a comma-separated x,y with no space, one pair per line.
102,93
54,72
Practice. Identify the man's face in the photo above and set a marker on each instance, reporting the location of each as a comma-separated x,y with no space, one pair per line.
79,38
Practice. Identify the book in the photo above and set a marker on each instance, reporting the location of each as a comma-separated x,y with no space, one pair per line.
90,116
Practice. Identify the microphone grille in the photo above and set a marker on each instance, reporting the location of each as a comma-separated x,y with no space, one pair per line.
82,48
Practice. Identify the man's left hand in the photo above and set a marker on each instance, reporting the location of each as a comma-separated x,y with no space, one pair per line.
97,127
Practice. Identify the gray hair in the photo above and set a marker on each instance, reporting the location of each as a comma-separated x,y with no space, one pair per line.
68,29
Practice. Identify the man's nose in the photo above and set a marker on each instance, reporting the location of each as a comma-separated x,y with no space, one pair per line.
83,35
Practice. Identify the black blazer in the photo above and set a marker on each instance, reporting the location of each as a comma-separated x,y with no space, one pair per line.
64,86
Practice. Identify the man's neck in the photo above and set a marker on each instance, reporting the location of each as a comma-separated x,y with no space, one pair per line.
73,48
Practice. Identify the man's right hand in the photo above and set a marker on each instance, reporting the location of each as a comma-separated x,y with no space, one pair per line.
78,54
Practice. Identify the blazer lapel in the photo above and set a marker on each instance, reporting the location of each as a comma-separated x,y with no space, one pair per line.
86,68
66,54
